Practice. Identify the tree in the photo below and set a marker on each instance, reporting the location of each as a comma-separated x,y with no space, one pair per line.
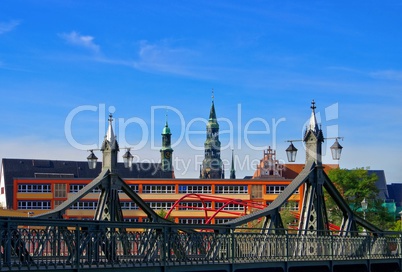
354,186
162,213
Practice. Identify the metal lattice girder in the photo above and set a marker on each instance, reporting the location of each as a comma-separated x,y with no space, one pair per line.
59,210
102,181
314,215
279,201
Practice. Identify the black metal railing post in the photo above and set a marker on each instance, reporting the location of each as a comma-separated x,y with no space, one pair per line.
77,247
8,238
165,245
233,246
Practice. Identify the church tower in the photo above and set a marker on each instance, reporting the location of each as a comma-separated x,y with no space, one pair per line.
166,150
212,163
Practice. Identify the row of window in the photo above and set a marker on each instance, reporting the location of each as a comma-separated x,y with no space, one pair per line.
184,220
185,206
74,188
276,189
195,189
159,189
160,205
221,220
34,205
84,205
197,221
231,189
229,207
34,188
60,189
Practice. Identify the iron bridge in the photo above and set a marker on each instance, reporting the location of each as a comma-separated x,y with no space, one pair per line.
69,245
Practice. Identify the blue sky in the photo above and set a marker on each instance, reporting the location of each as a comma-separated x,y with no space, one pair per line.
65,64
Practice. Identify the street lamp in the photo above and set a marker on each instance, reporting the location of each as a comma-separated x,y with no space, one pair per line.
336,150
364,207
291,152
92,159
128,159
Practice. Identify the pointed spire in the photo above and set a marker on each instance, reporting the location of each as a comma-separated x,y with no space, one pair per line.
200,170
232,169
313,125
212,114
223,171
110,134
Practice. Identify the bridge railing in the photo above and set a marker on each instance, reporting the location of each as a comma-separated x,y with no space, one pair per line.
59,244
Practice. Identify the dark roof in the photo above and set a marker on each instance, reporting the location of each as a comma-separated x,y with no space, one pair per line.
381,183
212,113
31,168
395,193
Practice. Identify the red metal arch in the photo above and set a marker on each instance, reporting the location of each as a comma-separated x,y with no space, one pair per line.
247,204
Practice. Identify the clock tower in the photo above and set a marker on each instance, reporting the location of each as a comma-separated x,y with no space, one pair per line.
212,163
166,150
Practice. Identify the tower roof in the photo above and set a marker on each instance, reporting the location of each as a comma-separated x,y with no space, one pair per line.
110,137
212,113
110,134
313,125
166,129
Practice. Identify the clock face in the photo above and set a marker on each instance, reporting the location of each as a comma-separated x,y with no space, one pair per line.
167,155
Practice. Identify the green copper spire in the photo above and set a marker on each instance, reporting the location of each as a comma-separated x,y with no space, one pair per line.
166,129
212,122
212,113
166,150
212,163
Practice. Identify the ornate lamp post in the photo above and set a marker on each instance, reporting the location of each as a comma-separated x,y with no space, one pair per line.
364,209
336,150
313,216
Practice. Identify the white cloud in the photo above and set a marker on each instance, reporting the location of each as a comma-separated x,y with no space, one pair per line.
387,74
76,39
9,26
165,58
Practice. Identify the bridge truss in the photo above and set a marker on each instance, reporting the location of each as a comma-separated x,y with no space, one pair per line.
48,242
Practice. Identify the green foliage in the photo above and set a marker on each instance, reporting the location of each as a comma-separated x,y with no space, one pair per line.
354,186
287,218
397,226
162,213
